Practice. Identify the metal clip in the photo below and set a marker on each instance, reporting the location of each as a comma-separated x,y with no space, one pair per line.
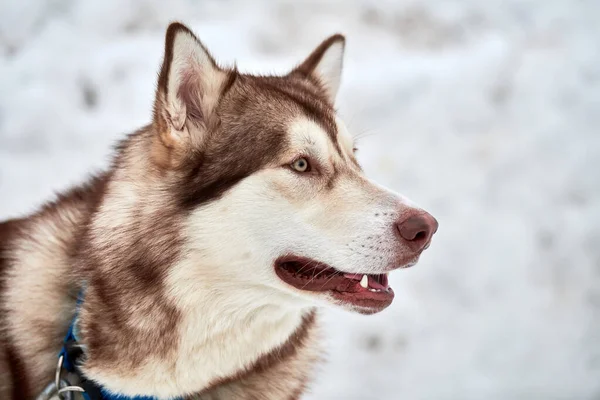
60,389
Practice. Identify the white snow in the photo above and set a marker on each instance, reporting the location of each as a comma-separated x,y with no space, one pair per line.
487,113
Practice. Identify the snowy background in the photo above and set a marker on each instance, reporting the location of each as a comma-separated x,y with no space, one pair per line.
487,113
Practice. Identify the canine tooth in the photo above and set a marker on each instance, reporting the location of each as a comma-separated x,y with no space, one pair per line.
364,282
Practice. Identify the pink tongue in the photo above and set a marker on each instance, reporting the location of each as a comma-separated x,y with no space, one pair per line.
373,284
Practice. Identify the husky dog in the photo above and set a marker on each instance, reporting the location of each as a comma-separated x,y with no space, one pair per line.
202,254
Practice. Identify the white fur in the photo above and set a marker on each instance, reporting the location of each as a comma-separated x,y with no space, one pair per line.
344,138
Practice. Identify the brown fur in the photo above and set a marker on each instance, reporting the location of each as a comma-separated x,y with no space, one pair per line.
10,362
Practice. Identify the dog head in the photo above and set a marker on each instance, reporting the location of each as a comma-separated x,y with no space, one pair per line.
265,173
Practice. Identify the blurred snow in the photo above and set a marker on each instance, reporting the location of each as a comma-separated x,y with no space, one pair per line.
487,113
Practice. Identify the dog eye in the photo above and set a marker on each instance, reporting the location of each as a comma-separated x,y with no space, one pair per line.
301,165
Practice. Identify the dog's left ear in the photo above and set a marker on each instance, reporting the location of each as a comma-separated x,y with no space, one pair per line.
189,88
324,65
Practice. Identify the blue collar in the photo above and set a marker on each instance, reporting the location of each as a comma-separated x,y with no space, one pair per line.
71,352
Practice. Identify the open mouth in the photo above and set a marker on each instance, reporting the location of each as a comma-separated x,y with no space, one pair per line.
366,291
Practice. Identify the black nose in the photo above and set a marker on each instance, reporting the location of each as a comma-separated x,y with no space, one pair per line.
416,231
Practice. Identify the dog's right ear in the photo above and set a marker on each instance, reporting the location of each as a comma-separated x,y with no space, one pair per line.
324,65
189,86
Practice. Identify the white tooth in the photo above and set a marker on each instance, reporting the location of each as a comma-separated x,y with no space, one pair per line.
364,282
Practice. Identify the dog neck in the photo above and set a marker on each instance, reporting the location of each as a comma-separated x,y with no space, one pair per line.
165,349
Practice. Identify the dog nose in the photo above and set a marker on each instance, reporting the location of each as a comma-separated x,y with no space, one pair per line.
416,231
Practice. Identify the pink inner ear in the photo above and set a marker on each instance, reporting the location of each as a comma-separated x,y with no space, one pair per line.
190,92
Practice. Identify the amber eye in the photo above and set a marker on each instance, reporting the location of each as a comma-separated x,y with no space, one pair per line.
301,165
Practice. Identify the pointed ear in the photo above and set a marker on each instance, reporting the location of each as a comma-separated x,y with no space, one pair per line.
324,64
189,86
